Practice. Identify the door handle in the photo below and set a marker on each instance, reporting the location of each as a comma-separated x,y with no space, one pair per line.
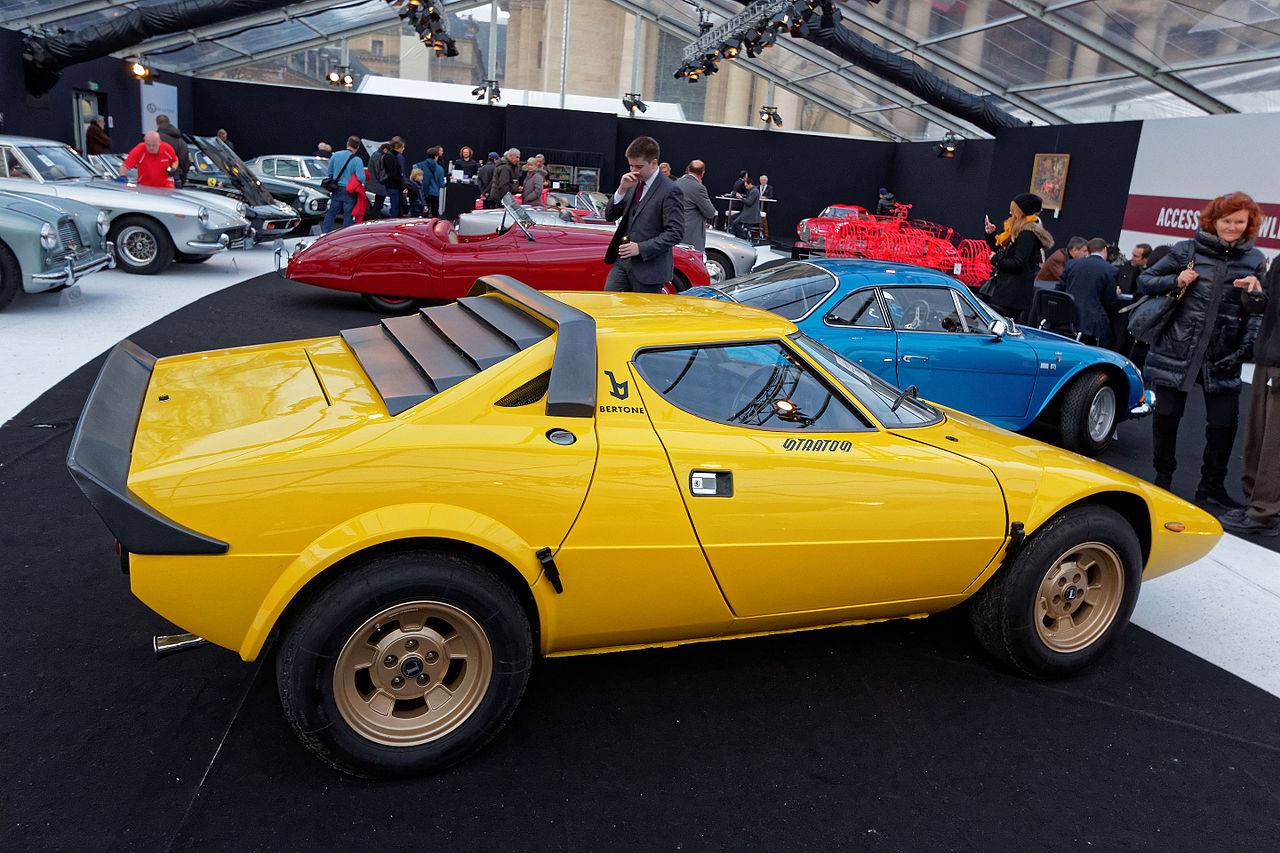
711,484
915,358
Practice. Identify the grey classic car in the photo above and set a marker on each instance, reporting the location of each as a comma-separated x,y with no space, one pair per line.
150,227
727,256
46,244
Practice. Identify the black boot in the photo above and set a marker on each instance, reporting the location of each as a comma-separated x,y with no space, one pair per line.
1218,442
1164,446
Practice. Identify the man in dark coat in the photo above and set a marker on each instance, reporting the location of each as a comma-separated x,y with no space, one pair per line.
484,176
506,178
1091,281
649,210
750,213
1051,269
698,209
96,140
169,133
884,205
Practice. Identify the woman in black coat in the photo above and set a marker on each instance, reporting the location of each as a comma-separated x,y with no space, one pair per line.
1017,257
1210,335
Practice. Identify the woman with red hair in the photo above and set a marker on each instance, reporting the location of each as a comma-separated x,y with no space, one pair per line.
1216,276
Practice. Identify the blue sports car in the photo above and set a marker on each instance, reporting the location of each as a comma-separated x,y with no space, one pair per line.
914,326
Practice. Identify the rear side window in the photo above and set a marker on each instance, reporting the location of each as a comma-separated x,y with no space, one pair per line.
288,169
741,384
792,289
859,309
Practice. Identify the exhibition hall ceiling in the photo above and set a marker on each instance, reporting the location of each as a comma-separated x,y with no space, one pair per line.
1042,62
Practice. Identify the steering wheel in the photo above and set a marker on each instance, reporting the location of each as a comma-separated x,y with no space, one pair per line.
917,314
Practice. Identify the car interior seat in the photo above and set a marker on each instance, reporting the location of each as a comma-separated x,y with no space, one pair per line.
1054,311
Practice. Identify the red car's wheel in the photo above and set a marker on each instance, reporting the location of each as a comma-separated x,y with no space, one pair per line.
384,304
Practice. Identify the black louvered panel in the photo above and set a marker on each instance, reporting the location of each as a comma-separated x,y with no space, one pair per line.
397,378
517,326
435,357
473,337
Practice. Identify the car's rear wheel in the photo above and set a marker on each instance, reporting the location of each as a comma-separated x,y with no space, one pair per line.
406,665
385,304
719,267
1089,413
143,246
678,281
1065,597
184,258
10,276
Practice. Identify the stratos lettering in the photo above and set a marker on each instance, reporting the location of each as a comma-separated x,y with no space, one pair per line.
817,444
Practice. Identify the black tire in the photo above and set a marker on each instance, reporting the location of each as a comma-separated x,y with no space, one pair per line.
143,246
1089,413
392,304
678,282
10,276
183,258
401,608
1034,615
723,260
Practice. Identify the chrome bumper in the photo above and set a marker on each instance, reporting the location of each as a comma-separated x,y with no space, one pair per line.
283,256
67,276
1144,408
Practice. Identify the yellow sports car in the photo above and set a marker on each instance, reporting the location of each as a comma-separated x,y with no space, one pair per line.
420,507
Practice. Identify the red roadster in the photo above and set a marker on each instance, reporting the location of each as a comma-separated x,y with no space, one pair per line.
396,265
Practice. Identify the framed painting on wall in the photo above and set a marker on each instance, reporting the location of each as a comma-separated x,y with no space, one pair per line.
1049,179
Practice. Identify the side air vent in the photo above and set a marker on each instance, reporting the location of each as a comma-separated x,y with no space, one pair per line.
530,392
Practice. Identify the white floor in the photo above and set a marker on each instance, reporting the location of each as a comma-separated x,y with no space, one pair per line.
1224,608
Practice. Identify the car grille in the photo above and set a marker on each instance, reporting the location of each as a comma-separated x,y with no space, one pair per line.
69,235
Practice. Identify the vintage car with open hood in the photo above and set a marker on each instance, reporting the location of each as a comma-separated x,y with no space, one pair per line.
149,226
419,508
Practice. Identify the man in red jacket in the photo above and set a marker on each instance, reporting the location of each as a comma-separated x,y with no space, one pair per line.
155,160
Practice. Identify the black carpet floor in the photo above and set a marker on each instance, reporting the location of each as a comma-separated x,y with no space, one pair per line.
902,736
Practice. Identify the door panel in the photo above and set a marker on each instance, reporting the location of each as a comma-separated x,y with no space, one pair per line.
817,520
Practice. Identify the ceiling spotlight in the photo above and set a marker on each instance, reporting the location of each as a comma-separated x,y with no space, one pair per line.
487,91
631,102
947,147
340,75
769,115
139,69
444,45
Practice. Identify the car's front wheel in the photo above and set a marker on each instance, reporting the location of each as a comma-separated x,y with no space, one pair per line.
143,246
1065,597
679,282
407,665
184,258
1089,413
10,276
385,304
719,267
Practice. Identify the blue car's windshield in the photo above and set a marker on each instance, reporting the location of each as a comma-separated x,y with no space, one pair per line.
885,402
791,289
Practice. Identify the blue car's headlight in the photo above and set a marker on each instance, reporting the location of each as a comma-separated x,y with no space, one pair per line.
48,237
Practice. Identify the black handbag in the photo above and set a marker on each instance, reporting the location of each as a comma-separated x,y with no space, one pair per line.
1151,315
330,185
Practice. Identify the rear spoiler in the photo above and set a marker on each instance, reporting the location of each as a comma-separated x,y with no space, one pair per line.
411,359
102,449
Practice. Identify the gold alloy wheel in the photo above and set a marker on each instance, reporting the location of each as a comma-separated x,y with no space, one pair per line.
1079,597
412,673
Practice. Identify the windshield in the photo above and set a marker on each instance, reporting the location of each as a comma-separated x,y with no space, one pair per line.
202,163
870,390
228,162
57,162
841,213
792,289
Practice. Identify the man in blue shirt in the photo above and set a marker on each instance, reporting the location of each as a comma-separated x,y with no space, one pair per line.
341,167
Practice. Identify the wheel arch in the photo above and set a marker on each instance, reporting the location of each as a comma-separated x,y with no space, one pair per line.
337,552
124,216
726,263
1131,507
1115,375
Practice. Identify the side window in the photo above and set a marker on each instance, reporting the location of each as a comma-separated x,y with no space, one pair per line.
288,169
922,309
974,323
13,166
858,309
267,167
742,384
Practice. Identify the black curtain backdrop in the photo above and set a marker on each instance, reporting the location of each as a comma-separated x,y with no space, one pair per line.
808,172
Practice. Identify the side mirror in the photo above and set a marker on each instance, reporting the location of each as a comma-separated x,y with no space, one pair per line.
999,328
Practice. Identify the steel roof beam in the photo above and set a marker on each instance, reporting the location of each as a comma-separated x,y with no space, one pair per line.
213,31
1164,79
60,14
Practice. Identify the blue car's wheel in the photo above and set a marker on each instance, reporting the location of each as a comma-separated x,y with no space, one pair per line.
1089,413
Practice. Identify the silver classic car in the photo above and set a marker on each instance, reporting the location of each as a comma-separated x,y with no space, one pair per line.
46,244
150,227
727,256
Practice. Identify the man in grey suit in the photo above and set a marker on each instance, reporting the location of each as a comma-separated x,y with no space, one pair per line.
698,208
649,210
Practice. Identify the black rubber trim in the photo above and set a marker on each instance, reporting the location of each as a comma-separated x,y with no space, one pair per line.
572,391
101,451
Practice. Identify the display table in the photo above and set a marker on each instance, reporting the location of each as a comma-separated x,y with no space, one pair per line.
458,198
722,220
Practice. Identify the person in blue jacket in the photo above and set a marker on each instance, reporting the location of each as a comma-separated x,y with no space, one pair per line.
341,167
432,179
